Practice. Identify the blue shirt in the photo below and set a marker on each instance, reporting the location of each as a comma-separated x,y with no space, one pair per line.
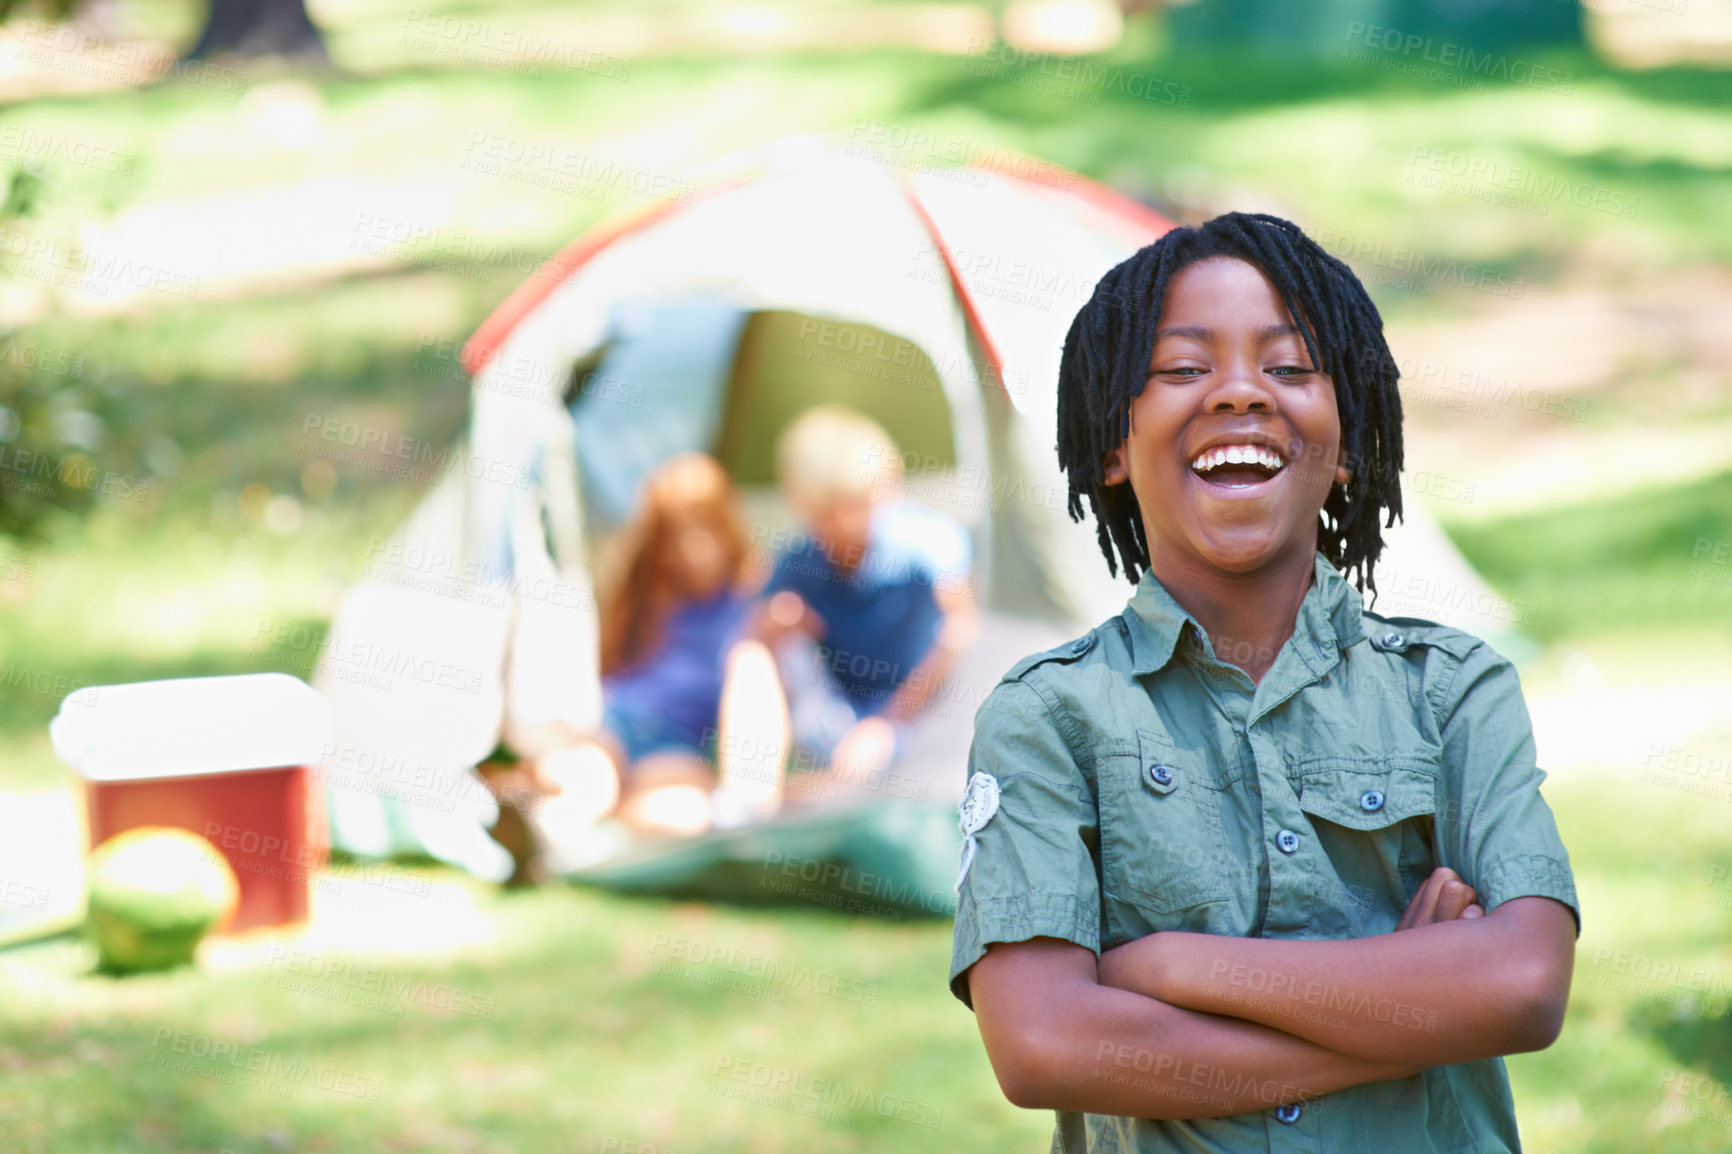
679,686
881,619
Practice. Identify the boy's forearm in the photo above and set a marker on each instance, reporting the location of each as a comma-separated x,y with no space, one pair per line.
955,633
1167,1062
1434,995
1092,1048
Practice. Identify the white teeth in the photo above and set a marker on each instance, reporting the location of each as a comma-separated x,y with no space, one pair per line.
1238,455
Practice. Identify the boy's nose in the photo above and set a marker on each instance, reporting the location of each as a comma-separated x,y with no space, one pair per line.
1241,390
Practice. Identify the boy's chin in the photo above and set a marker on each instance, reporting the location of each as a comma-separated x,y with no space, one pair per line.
1248,554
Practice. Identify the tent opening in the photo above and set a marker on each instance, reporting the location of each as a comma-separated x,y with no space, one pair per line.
789,362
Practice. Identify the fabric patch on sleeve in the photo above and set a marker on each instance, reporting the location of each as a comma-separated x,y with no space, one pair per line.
979,803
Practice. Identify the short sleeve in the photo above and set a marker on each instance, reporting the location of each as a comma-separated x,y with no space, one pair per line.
790,572
1494,828
910,533
1034,872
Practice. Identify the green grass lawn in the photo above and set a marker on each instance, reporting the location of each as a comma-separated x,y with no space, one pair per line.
591,1018
598,1032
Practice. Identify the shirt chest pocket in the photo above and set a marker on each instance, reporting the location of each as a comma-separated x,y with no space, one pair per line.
1162,844
1374,820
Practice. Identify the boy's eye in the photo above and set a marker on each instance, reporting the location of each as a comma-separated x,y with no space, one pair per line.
1290,370
1179,371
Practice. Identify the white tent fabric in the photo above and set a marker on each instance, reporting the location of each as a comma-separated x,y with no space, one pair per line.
804,228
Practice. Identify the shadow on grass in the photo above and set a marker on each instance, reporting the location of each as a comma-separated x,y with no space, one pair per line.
1696,1041
1647,559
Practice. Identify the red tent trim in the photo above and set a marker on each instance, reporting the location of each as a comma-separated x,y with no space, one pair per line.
1126,210
559,268
969,312
563,265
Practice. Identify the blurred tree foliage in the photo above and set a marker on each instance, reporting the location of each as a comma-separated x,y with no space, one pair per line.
50,419
1420,28
245,28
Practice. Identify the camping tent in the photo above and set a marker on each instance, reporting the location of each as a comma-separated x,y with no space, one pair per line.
933,297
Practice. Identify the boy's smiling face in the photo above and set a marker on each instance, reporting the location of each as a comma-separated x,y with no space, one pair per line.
1235,439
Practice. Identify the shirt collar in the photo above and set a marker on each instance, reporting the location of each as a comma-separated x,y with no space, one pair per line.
1330,619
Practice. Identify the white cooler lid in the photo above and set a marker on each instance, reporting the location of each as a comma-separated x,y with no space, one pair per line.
191,726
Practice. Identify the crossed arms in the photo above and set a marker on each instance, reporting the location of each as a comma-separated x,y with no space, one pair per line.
1259,1021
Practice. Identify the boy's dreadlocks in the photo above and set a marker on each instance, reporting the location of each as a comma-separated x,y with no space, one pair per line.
1106,365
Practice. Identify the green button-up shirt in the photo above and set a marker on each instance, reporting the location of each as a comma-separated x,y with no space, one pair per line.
1145,784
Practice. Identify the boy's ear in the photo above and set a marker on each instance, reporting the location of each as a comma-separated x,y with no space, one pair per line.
1113,470
1342,473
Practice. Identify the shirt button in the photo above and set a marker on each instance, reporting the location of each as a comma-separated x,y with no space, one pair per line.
1288,1114
1288,842
1371,801
1160,775
1393,640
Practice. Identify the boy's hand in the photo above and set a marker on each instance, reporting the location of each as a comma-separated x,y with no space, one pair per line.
785,613
1443,897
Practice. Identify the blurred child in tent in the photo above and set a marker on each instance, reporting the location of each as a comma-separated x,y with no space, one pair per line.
870,608
672,608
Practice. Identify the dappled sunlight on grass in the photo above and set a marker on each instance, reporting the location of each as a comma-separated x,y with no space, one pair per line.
347,236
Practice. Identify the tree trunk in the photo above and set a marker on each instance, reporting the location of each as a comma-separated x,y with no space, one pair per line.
259,28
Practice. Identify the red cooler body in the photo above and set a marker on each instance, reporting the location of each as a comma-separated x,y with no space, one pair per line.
188,754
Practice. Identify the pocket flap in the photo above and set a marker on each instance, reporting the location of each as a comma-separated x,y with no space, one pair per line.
1163,768
1369,795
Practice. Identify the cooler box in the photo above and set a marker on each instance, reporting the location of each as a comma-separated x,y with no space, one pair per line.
224,757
